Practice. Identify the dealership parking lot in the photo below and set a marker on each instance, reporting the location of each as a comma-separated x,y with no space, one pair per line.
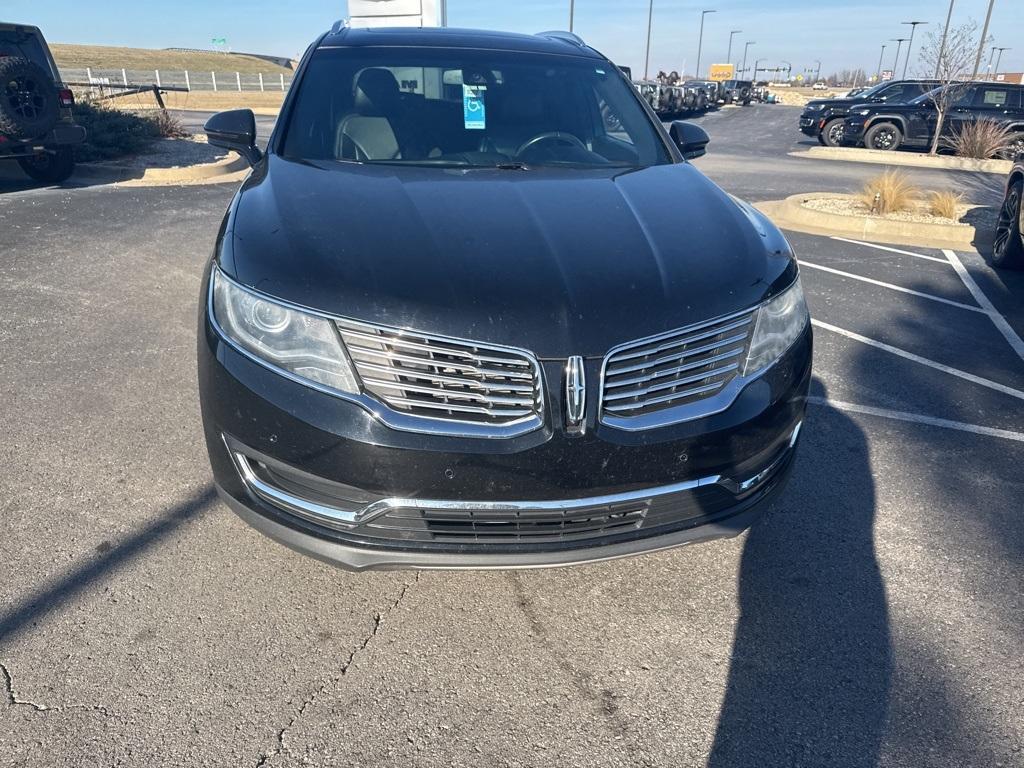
873,618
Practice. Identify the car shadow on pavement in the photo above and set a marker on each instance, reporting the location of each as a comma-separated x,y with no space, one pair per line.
52,596
811,663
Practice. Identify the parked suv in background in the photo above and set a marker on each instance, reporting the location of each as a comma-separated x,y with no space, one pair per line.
738,91
891,126
36,126
711,91
457,319
823,118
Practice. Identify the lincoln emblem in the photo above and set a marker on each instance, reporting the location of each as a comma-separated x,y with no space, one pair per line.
575,395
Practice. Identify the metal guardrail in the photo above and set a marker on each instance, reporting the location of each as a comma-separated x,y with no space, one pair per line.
178,79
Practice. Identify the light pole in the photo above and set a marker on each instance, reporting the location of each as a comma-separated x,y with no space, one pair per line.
572,13
899,44
728,56
756,62
745,49
999,58
817,73
789,69
913,28
878,72
984,38
647,59
945,33
990,57
700,39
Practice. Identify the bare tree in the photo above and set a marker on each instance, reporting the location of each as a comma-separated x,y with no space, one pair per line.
953,63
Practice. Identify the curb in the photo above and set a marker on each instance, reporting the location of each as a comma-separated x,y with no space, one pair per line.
227,169
878,157
791,214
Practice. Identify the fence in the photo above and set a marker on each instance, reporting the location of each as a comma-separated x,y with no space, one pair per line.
189,79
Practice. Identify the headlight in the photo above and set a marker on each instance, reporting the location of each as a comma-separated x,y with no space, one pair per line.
862,112
779,323
304,345
815,107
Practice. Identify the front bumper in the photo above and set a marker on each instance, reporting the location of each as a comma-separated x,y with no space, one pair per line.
325,477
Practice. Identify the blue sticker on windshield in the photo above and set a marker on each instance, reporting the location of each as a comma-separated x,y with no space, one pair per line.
473,109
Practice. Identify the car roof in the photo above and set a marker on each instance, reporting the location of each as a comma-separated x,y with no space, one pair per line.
562,43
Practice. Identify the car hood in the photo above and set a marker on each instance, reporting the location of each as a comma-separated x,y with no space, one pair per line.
559,261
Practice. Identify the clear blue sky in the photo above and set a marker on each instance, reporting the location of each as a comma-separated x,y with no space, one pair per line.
842,33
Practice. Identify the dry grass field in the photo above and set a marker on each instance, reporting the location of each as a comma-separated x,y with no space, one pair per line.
111,57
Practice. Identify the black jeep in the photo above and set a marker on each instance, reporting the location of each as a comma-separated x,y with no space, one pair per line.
36,126
823,118
738,91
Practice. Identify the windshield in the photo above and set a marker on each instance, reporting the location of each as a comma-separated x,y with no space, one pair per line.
872,90
451,107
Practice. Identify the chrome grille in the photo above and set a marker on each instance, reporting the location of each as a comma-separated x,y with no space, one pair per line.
675,369
440,378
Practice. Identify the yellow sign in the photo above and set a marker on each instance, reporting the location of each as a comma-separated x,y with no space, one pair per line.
722,72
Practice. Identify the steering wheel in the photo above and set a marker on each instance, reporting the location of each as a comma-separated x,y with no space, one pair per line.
540,138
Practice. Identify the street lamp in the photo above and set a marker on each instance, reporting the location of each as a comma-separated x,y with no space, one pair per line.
572,13
756,68
817,73
745,49
728,56
990,57
700,39
984,38
945,34
999,58
913,28
899,44
647,59
878,72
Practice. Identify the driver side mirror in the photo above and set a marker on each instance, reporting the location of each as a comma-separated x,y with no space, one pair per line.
235,129
691,139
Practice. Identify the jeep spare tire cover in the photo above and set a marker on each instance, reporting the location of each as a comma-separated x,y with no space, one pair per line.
28,99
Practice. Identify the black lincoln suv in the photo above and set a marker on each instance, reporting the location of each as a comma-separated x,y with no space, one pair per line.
474,308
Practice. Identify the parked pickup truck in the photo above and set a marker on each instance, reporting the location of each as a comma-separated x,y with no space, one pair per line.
36,125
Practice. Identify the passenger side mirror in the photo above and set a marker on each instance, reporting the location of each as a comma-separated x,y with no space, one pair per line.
235,129
691,139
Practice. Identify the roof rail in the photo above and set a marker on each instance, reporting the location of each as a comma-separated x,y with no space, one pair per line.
565,37
339,25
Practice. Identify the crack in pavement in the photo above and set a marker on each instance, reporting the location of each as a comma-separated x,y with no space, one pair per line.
378,620
12,698
605,700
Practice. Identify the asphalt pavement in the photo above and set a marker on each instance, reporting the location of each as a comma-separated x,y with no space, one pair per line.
874,618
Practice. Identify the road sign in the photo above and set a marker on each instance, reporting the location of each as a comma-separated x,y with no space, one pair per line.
886,74
722,72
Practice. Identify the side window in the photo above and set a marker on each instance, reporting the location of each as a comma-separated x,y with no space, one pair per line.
964,99
992,98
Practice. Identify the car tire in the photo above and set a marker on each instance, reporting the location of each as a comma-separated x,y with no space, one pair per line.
1007,249
832,134
28,99
49,167
883,136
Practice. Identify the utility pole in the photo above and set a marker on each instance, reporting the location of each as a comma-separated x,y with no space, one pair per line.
700,39
647,59
572,13
756,67
817,73
984,37
990,57
945,33
789,69
728,56
745,49
899,44
878,72
913,28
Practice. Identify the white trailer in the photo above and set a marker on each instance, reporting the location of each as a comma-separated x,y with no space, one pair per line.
398,13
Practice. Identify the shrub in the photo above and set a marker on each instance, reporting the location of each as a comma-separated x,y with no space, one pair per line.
983,139
891,192
112,133
944,204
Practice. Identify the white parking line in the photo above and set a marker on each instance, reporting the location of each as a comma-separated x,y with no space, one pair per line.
892,287
918,418
997,319
922,360
878,247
